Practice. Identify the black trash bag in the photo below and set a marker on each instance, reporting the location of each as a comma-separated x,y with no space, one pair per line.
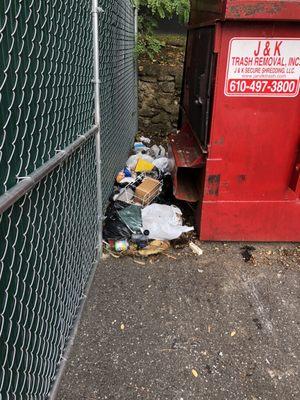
132,218
115,206
114,228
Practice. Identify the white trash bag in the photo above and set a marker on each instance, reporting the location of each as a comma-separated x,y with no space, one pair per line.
163,222
162,164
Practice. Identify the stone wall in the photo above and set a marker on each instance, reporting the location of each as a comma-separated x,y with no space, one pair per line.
159,97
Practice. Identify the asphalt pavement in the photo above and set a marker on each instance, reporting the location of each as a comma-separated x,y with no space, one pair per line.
185,327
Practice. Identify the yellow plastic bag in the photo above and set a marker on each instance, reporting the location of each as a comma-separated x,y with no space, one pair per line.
144,166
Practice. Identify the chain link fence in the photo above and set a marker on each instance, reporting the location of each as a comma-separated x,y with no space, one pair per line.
118,77
49,216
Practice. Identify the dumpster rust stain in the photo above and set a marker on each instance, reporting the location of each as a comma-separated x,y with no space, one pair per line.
214,185
251,10
241,178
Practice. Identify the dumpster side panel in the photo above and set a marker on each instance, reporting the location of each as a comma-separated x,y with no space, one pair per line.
253,154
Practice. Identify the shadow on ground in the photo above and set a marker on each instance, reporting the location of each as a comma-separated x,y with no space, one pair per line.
148,330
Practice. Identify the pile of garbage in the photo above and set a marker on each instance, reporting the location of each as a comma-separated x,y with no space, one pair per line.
141,219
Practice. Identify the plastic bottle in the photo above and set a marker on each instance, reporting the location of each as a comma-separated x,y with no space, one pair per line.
141,239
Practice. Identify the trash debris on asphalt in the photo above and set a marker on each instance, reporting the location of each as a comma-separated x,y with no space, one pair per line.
195,373
155,247
247,253
141,219
163,222
196,249
147,191
132,218
144,166
143,139
121,245
114,228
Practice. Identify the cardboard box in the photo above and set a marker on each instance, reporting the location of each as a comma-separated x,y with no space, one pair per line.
147,191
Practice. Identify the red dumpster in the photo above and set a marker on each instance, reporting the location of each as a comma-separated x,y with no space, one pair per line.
237,151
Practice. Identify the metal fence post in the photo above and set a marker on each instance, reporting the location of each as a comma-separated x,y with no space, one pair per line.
136,16
95,20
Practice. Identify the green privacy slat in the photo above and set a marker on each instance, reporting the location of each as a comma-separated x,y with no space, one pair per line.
118,87
48,238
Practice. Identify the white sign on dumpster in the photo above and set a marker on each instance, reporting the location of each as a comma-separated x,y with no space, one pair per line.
260,67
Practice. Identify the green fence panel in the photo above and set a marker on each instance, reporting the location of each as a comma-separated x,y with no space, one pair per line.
49,236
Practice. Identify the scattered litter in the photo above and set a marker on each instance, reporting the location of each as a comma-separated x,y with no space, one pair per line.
209,329
163,222
169,256
271,373
147,191
182,242
121,245
115,229
195,373
125,195
155,247
162,151
247,253
132,161
143,139
139,147
132,218
157,151
122,327
233,333
139,262
196,249
126,181
141,219
127,173
114,255
162,164
144,166
122,175
141,239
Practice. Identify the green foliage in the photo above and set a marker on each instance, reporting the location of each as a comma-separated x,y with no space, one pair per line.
149,45
167,8
150,12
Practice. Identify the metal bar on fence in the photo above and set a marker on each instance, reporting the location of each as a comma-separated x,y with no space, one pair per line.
96,55
96,59
27,183
136,16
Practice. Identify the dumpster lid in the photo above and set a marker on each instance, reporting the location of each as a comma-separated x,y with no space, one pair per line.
205,11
